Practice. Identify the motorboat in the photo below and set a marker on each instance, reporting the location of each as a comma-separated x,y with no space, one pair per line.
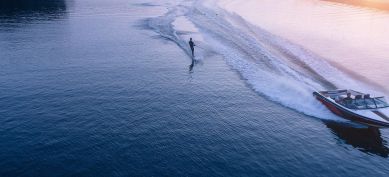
356,106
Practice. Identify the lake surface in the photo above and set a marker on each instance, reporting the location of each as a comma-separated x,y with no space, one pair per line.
354,38
104,88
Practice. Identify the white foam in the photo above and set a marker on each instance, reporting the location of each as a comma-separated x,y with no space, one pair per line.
276,68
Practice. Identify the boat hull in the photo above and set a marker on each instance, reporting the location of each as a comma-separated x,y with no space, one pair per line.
342,112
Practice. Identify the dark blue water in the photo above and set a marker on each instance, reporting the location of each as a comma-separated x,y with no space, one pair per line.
85,92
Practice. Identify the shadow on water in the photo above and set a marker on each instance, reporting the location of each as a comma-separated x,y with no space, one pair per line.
191,65
367,140
27,11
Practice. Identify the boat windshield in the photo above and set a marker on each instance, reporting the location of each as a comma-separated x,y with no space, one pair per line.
381,102
365,103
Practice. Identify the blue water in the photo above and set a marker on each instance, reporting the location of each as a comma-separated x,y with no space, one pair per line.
85,90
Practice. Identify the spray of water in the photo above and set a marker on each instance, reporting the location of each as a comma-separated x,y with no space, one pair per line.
274,67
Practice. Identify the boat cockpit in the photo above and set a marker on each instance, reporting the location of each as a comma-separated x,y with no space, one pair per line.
357,100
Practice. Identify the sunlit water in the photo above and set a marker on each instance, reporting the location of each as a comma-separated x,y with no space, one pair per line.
104,88
353,37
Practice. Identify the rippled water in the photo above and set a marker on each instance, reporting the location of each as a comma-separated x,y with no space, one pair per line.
86,89
353,37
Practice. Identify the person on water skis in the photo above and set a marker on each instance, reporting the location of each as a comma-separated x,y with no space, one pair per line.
191,44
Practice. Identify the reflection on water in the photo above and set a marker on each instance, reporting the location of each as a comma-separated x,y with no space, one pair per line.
377,4
191,65
367,140
330,30
21,11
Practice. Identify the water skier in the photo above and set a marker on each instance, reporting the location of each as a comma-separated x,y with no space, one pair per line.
191,44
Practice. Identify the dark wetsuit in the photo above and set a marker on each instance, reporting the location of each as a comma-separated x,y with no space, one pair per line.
191,44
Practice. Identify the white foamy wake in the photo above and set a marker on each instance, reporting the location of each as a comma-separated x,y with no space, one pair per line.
275,68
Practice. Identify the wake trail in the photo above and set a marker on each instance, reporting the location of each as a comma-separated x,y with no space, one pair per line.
163,25
274,67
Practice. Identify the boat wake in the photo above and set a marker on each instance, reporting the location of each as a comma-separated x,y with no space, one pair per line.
274,67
